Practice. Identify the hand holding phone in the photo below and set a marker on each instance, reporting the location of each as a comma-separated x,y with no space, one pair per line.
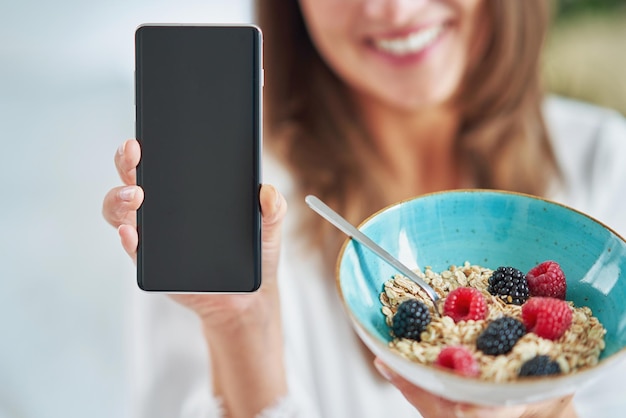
243,331
198,121
216,310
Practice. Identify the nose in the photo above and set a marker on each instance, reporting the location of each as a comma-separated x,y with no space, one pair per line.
392,11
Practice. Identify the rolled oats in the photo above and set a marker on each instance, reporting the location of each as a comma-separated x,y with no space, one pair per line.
577,349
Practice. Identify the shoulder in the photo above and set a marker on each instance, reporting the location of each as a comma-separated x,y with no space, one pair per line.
589,143
579,123
584,136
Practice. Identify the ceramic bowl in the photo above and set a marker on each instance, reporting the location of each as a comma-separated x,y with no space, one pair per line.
492,229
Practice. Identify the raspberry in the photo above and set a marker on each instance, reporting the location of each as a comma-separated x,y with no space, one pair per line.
410,319
539,366
465,303
509,284
547,317
500,336
547,279
458,359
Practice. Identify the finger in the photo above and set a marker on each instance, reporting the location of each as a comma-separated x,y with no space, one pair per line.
475,411
273,206
126,159
130,239
120,205
273,210
427,404
431,405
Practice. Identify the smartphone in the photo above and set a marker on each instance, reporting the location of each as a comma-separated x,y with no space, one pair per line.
198,120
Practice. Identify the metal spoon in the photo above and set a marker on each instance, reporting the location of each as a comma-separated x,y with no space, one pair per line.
344,226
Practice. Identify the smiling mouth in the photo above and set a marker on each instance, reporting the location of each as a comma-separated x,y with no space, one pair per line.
411,43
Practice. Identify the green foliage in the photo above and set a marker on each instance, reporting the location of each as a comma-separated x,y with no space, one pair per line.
584,56
566,8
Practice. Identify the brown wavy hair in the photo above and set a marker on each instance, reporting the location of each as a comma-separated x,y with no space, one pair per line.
314,129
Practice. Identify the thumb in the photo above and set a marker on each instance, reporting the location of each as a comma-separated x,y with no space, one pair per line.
409,390
273,211
273,206
431,405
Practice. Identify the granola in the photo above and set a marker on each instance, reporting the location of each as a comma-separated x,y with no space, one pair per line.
577,349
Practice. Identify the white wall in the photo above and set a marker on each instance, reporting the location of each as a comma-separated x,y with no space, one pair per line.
66,103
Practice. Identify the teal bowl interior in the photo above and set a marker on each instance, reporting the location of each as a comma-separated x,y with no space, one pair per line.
491,229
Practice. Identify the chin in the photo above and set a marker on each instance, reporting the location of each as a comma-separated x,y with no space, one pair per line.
415,102
409,96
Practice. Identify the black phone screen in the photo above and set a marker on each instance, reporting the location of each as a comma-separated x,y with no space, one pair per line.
198,98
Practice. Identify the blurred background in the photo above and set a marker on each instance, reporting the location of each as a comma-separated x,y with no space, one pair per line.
585,56
66,103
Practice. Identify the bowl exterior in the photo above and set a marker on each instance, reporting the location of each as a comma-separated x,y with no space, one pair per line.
492,229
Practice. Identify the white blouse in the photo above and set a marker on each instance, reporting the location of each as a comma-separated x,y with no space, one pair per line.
329,372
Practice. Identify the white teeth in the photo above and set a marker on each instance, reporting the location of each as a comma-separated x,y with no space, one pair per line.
411,43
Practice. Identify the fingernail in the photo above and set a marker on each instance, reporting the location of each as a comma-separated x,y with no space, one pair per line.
382,369
127,193
120,149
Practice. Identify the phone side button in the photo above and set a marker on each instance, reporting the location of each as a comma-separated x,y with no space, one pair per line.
262,77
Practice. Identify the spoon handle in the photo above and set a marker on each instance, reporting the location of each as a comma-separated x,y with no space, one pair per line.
334,218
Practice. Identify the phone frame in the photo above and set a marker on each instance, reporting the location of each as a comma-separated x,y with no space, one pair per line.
258,152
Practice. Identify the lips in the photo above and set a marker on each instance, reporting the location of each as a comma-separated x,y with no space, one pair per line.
410,43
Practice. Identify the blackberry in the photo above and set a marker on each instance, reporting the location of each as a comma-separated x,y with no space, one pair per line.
500,336
410,319
539,366
510,285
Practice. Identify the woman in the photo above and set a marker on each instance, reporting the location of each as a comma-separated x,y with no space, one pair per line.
367,102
